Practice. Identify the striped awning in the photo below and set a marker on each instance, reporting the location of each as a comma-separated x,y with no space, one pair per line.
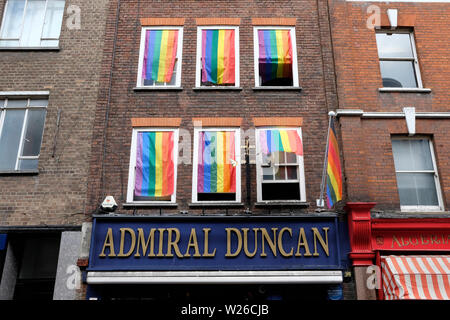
416,277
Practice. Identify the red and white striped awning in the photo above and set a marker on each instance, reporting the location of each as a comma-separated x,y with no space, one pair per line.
416,277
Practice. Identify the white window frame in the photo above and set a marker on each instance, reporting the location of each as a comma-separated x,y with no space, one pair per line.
22,23
237,144
178,59
132,166
295,82
259,169
198,78
414,59
440,206
3,110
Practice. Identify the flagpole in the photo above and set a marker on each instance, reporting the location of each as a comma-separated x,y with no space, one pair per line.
320,202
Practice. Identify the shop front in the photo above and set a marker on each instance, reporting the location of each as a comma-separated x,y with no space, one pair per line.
406,258
214,257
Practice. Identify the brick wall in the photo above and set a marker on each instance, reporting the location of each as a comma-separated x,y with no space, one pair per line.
312,103
57,195
366,143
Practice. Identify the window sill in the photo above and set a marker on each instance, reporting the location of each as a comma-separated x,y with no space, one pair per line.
138,89
161,204
217,88
277,88
218,204
18,172
412,90
30,48
282,204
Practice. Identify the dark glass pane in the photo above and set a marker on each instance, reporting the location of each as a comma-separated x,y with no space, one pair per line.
216,196
280,173
291,173
399,74
280,191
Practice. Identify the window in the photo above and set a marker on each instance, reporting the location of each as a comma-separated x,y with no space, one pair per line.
279,161
217,173
417,177
153,166
217,56
32,23
275,57
21,129
160,57
399,66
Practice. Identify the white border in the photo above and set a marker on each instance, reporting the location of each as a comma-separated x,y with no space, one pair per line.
198,65
294,54
237,146
132,166
178,57
300,162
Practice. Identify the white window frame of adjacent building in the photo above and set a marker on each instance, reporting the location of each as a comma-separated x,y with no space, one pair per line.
414,59
295,80
178,59
259,169
31,104
132,166
434,171
198,77
237,139
44,41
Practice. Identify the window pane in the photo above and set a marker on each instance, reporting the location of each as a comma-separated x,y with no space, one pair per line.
398,74
291,157
280,173
395,45
28,164
33,135
412,155
16,103
267,173
280,191
417,189
38,103
291,173
53,19
10,138
13,19
34,20
49,43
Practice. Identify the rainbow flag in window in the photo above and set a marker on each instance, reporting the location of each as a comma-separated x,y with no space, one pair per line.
334,175
154,164
275,54
218,56
159,55
216,162
280,140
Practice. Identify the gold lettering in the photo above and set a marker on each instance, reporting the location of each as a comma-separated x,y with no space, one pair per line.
272,242
413,243
109,242
206,254
161,242
434,239
192,243
122,242
141,241
324,244
394,239
173,243
280,243
239,238
422,238
302,242
247,253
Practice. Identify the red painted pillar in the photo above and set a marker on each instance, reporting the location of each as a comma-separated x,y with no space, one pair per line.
362,255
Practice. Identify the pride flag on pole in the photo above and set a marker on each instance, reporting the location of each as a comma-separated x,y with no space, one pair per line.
275,54
334,174
280,140
154,164
218,56
216,155
159,55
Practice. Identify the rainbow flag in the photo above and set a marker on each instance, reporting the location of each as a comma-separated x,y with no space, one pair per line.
334,175
216,154
218,56
275,54
154,164
159,55
280,140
